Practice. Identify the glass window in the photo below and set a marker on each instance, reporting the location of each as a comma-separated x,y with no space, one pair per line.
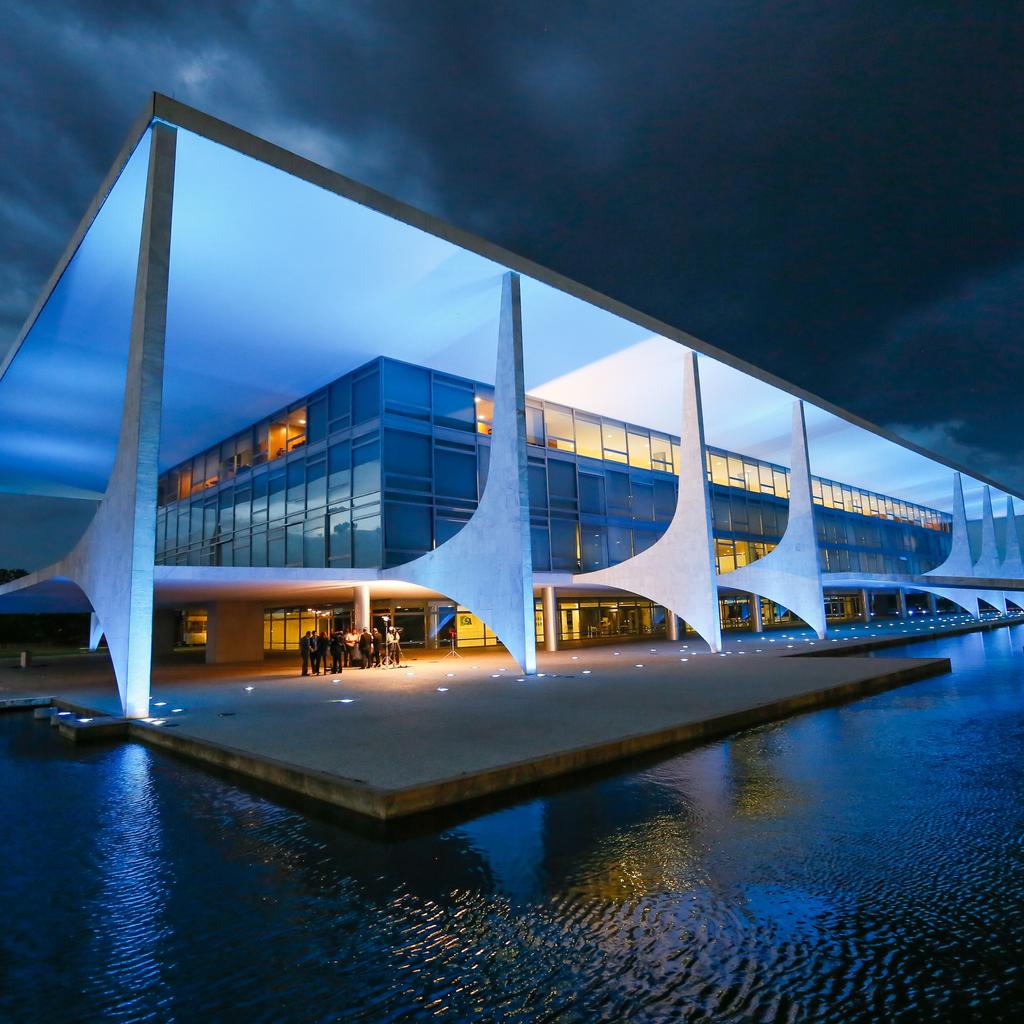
719,470
293,549
261,453
565,544
407,528
617,493
314,553
407,454
534,425
562,484
316,483
485,412
454,405
406,389
588,437
559,429
781,483
317,426
538,483
366,397
455,473
339,475
639,450
591,493
339,400
540,548
341,539
614,435
296,486
620,544
664,499
366,468
642,505
296,428
276,495
661,452
593,546
243,502
366,552
275,547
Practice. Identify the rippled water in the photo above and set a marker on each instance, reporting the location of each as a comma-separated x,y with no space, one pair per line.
863,863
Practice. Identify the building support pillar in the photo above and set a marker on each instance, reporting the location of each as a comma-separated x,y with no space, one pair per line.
487,566
901,602
756,614
114,560
790,574
432,641
362,607
865,605
95,632
933,608
678,570
234,632
671,625
550,615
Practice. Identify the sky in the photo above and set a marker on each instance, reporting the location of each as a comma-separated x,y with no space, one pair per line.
830,190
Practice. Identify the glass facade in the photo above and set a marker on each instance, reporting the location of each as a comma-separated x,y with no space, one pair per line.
388,461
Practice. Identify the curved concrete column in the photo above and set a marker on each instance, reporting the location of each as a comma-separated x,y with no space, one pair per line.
1011,567
113,561
988,563
959,561
95,632
678,570
488,565
790,573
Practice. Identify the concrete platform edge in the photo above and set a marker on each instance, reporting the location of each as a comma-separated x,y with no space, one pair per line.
383,805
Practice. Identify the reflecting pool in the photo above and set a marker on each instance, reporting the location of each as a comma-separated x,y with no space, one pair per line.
859,863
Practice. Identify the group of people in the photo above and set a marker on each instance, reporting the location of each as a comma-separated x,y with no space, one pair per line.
356,646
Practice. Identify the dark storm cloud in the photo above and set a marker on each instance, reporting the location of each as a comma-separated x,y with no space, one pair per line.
830,190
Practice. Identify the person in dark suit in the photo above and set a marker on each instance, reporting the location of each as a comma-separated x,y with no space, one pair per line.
366,647
378,644
304,653
336,651
314,653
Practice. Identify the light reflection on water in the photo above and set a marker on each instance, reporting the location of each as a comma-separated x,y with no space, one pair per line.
859,863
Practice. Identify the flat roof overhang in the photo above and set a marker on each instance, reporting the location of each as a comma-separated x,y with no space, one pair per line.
285,275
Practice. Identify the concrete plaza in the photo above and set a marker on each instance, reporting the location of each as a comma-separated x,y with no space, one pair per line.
438,731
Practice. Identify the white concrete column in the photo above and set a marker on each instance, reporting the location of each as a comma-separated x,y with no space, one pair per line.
932,605
550,615
678,570
791,572
362,606
959,561
901,602
671,625
865,605
95,632
234,632
488,565
989,563
1012,567
113,561
756,615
